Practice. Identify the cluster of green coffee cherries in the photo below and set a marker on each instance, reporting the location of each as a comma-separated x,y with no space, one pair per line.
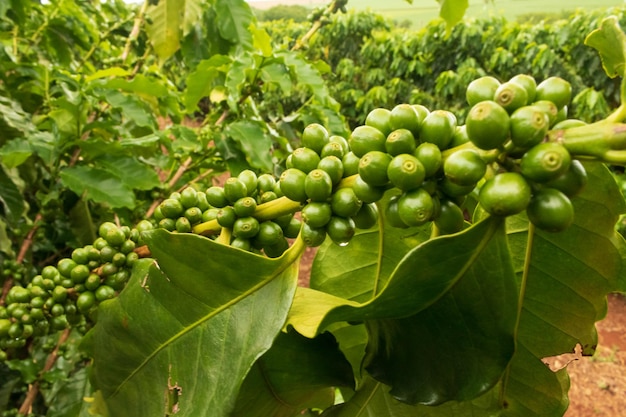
414,165
313,198
418,166
511,121
68,294
500,156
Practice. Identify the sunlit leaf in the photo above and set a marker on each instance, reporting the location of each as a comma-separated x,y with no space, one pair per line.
262,41
189,326
164,31
610,41
452,11
233,20
202,80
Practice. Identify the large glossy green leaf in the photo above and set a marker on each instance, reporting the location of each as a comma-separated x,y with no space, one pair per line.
568,277
254,141
132,107
82,224
201,81
99,185
361,269
295,374
186,330
131,171
164,30
139,84
234,18
307,75
464,280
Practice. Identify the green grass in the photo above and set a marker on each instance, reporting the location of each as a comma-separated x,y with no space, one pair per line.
422,11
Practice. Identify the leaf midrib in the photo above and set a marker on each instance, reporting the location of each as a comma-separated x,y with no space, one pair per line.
294,253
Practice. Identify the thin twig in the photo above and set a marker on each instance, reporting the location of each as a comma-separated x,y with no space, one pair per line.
33,389
134,33
332,8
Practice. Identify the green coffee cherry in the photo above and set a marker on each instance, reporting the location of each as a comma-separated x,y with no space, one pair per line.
216,197
555,89
183,225
333,167
188,197
245,207
305,159
373,168
311,236
481,89
528,83
416,207
430,157
245,227
405,116
241,243
367,216
379,119
340,230
487,125
345,203
333,149
450,219
249,178
406,172
438,128
505,194
529,125
464,167
400,141
292,184
545,162
317,214
350,164
315,137
572,181
266,182
318,185
392,213
226,217
549,108
511,96
269,234
550,210
365,139
234,189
